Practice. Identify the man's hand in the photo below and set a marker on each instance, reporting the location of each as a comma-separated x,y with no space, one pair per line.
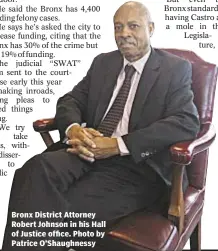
105,147
81,139
83,135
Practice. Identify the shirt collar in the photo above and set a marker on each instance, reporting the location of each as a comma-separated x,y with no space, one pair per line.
139,64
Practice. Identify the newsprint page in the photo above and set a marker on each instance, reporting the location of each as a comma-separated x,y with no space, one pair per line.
46,48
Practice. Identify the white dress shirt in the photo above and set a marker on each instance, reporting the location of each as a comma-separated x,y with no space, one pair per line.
122,127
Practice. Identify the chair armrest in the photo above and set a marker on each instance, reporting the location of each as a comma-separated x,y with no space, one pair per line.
44,125
182,153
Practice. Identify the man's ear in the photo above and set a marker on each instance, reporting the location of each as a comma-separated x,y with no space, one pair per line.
151,28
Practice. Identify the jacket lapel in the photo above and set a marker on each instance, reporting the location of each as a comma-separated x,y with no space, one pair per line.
110,80
147,80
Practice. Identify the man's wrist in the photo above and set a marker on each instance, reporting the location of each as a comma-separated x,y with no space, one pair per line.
70,129
116,149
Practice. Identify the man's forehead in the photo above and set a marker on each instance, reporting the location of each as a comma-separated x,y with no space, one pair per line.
129,14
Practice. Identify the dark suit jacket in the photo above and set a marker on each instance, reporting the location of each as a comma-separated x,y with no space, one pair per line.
163,112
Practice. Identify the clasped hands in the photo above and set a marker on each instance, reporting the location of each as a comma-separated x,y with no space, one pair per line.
89,144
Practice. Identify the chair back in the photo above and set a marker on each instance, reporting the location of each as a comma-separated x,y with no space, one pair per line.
204,78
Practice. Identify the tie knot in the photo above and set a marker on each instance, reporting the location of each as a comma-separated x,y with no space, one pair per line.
129,71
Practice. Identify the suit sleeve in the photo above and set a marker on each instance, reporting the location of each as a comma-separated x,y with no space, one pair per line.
72,107
180,120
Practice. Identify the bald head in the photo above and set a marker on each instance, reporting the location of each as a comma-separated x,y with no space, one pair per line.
133,29
142,10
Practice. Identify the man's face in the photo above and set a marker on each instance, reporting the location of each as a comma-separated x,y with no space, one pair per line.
132,32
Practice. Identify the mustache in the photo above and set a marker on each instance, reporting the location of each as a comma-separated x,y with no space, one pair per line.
124,41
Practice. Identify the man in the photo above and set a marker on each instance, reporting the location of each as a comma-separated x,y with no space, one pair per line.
136,102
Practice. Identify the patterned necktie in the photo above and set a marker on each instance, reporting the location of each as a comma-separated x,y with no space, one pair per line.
115,113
